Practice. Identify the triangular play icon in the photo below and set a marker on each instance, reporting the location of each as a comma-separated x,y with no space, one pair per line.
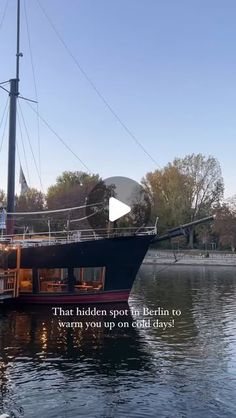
117,209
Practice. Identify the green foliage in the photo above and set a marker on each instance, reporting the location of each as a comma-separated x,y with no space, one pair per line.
170,193
205,181
185,190
71,189
225,226
32,201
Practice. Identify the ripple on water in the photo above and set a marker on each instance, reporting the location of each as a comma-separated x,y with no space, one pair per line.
186,371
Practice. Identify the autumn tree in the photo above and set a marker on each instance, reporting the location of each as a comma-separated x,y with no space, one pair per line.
231,203
225,226
206,182
71,189
31,201
185,190
170,193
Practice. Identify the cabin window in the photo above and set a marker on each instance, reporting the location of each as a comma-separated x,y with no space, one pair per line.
25,283
86,279
52,280
89,279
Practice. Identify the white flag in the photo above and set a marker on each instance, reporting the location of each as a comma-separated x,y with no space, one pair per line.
23,182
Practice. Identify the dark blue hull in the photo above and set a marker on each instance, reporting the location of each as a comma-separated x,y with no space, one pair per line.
121,257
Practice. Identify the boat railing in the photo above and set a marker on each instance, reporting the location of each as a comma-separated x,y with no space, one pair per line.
65,237
7,283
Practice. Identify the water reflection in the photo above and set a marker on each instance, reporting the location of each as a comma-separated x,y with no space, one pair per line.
31,339
36,334
186,371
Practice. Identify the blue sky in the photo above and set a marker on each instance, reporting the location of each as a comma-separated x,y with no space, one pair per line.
167,68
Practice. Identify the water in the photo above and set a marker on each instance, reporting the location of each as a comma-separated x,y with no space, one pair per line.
189,370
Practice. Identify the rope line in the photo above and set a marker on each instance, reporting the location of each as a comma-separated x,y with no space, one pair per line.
60,139
18,154
55,210
35,87
94,87
31,148
5,124
4,14
3,115
23,146
176,259
3,88
86,217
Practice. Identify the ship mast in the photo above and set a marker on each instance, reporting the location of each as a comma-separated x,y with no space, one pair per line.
14,93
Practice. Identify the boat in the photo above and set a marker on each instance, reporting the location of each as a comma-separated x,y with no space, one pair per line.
67,267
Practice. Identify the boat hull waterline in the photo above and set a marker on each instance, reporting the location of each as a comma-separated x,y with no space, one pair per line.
66,299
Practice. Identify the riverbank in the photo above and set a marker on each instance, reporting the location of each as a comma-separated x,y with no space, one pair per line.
191,257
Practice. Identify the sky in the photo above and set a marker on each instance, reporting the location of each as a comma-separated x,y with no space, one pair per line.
166,68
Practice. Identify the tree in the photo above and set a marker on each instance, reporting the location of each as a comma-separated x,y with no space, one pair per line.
206,182
31,201
170,196
71,189
231,203
225,226
185,190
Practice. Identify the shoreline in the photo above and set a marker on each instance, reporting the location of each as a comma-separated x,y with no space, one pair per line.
190,258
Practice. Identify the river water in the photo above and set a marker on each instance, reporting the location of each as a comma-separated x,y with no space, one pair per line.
187,370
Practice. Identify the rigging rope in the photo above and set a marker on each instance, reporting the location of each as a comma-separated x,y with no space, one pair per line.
35,86
3,115
18,154
60,139
23,146
170,264
31,148
5,124
94,87
4,14
55,210
3,88
86,217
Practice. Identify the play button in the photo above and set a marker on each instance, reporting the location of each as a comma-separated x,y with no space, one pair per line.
115,204
117,209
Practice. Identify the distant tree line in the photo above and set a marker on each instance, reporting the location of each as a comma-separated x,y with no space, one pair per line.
184,190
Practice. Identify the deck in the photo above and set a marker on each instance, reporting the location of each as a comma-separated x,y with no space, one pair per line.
7,286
